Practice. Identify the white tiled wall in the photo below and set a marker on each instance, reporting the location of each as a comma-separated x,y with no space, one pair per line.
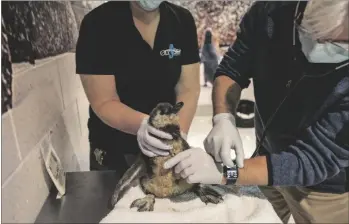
49,105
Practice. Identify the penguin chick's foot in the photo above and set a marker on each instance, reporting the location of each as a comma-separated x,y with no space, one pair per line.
208,195
145,204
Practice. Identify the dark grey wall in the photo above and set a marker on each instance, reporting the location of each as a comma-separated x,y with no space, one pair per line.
34,30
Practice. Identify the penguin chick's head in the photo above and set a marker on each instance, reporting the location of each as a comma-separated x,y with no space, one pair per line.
165,116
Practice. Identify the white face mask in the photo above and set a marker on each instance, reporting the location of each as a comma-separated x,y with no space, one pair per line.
323,52
149,5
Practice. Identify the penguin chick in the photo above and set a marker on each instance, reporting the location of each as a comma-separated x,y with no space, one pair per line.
155,181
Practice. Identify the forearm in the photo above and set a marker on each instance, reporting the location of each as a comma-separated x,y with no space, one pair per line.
255,172
301,164
236,64
188,91
225,95
190,99
119,116
102,95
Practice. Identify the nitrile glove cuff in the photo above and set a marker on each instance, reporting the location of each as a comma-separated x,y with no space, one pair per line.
184,135
223,116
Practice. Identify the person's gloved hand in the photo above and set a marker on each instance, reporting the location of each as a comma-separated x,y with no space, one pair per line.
223,137
184,135
195,166
151,145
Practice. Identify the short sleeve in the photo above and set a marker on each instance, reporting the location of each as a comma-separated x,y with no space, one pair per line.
190,49
93,54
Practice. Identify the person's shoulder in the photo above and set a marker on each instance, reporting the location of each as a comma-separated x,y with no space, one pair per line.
268,7
104,13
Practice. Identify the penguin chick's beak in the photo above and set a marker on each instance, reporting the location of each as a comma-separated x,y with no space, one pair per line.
176,108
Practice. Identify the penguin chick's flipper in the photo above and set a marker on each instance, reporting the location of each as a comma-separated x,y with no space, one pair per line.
207,194
137,170
145,204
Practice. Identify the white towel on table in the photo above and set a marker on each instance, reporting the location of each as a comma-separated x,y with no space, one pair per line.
236,208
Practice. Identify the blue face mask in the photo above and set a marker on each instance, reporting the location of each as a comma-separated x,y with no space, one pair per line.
149,5
323,52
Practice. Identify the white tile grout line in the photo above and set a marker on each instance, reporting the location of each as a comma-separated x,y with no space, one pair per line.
15,135
79,119
60,85
21,72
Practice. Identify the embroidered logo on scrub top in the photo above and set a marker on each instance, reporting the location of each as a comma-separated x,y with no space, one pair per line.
171,52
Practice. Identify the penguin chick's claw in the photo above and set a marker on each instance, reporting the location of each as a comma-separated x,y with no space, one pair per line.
145,204
208,195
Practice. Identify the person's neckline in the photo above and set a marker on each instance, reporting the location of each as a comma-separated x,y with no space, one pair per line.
161,14
140,19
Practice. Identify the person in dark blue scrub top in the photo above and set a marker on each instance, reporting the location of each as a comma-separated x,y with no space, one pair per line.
297,54
132,55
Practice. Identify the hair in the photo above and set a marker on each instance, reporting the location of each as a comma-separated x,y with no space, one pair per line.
325,19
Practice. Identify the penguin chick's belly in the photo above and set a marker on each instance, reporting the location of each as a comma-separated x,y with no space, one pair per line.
162,182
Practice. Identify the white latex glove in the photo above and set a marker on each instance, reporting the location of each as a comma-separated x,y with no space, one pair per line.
150,145
195,166
184,135
224,137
